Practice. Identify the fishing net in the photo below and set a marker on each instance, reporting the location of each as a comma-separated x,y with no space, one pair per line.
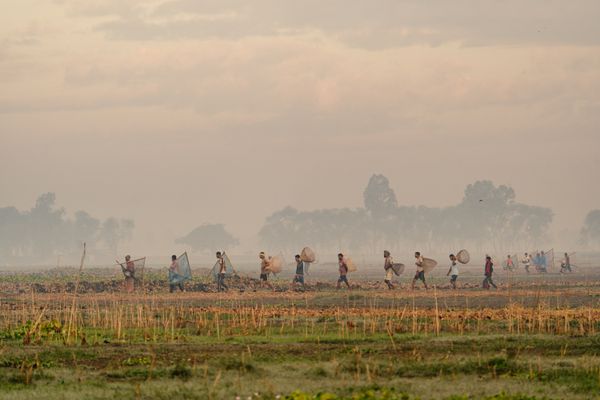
183,272
350,264
229,270
308,255
398,268
428,264
549,258
306,267
463,256
138,268
276,264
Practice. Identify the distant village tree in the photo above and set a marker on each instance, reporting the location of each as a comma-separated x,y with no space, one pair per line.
590,233
209,237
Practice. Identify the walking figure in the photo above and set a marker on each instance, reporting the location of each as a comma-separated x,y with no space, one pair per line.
489,270
221,286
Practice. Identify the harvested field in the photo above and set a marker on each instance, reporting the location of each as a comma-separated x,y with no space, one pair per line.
533,339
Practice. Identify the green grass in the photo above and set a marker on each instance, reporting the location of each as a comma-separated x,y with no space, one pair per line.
530,367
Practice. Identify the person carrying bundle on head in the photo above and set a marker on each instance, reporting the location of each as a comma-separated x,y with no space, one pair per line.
299,276
222,269
265,264
489,270
174,280
565,264
343,270
420,273
388,268
453,271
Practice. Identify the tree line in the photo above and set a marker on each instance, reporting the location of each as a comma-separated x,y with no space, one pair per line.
45,231
487,218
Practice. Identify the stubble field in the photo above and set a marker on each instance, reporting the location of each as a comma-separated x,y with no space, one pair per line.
536,337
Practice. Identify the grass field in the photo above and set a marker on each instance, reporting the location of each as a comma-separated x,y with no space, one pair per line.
532,339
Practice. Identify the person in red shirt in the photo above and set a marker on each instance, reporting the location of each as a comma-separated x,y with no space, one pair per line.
489,270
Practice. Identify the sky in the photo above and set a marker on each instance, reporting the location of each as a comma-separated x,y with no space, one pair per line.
180,112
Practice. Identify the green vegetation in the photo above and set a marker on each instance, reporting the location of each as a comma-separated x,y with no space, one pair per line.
322,345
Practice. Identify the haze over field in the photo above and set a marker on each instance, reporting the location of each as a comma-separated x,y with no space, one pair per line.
175,112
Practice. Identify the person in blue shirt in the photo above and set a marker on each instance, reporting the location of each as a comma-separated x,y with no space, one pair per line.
299,276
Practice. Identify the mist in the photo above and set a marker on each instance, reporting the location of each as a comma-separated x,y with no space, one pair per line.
176,115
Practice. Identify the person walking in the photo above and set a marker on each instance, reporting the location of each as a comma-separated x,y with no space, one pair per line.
129,272
343,270
389,271
299,276
420,273
221,286
265,264
489,270
453,271
175,279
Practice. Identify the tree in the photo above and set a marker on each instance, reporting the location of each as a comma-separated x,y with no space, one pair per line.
488,216
45,231
209,237
45,226
12,232
379,199
590,232
114,231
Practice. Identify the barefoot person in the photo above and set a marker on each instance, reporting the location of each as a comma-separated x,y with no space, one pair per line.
299,276
453,271
420,273
221,286
387,267
129,272
265,264
175,279
343,269
565,264
489,270
509,263
527,262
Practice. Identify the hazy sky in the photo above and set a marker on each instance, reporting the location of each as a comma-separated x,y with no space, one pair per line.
180,112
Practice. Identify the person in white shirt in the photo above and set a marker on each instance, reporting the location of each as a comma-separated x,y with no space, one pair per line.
420,274
527,262
565,264
453,271
387,266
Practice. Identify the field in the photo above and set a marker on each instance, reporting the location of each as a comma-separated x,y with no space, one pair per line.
536,337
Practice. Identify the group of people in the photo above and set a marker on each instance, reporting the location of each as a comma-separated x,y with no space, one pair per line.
538,260
176,281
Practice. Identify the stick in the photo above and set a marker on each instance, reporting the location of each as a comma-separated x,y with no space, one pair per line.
74,303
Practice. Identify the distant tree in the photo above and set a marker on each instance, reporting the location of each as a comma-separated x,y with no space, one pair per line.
114,231
45,226
488,218
13,235
84,228
209,237
590,232
281,229
379,198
